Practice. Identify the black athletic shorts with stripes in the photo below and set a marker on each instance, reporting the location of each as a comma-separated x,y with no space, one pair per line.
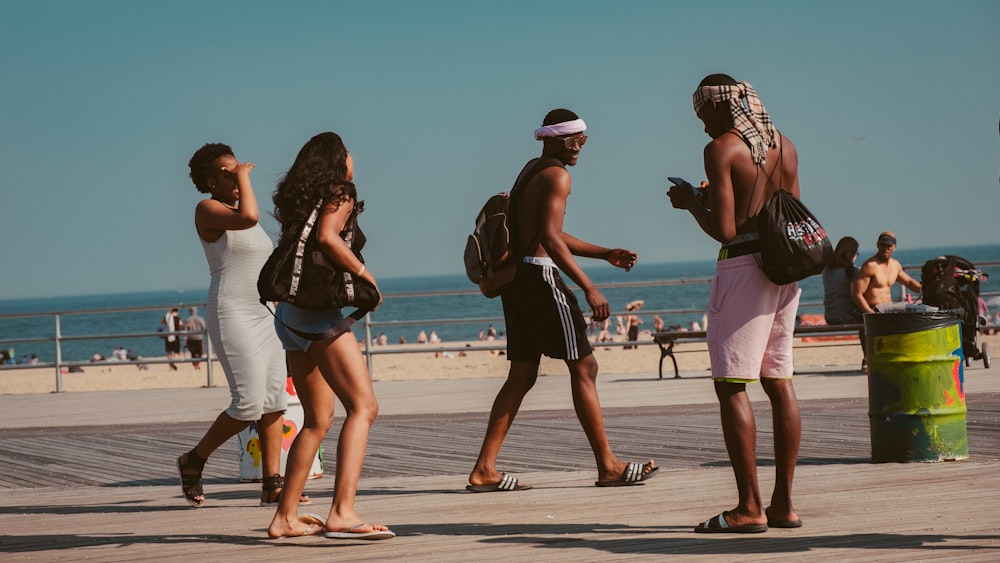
542,315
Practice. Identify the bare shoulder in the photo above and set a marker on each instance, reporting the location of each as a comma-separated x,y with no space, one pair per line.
725,147
208,204
554,173
788,147
554,178
208,212
867,267
346,205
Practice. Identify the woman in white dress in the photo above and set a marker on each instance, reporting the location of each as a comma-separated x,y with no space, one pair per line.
241,329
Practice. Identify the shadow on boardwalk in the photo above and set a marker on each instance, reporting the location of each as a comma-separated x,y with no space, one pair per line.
110,492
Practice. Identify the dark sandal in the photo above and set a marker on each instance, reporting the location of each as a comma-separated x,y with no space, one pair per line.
191,485
271,488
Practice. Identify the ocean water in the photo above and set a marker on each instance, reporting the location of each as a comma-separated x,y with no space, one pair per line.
446,304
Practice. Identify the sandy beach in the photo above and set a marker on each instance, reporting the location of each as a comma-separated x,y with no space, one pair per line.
420,364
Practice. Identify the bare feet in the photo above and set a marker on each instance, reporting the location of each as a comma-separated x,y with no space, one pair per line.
302,525
484,477
777,518
348,526
363,531
618,471
363,528
732,522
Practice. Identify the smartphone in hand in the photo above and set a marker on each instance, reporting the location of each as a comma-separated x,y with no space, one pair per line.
698,193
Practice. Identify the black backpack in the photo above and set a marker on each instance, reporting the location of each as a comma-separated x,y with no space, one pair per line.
490,254
793,245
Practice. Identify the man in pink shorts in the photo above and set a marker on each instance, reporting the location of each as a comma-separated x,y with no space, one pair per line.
750,319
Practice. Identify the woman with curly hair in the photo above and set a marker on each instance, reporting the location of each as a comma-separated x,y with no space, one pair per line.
241,331
325,370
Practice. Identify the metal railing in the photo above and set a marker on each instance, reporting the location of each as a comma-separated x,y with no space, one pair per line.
368,322
58,338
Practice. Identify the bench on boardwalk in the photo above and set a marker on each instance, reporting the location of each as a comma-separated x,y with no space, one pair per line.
667,339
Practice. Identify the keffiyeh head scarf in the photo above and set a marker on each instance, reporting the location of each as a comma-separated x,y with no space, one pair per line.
749,117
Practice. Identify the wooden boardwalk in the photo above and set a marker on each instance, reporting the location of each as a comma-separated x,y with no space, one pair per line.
110,493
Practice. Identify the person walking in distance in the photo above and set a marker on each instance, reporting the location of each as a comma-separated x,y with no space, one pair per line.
194,342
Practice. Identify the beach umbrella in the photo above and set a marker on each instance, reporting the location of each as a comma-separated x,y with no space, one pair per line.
634,305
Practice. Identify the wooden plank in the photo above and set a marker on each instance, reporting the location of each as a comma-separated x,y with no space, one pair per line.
111,494
834,430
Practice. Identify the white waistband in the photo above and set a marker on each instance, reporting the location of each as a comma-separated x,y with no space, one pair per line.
539,261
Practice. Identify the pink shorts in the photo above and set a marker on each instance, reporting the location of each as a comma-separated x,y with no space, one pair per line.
750,322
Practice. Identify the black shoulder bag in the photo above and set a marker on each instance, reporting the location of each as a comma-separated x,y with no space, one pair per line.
298,272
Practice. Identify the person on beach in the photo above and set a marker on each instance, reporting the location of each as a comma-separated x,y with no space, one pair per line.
634,322
240,328
542,314
325,370
838,279
750,320
838,289
195,341
873,283
172,343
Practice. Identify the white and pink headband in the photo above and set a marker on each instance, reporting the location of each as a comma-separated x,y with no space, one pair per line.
560,129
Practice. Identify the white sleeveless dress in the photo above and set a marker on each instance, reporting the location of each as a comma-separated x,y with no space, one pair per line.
241,329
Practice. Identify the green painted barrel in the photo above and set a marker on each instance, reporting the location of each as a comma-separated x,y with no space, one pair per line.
916,393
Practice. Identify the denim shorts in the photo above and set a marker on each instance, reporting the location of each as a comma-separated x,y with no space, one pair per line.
305,320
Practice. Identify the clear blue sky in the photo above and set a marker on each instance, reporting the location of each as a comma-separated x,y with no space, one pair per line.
892,104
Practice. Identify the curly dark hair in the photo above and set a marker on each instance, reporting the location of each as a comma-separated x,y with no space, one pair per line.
319,173
202,164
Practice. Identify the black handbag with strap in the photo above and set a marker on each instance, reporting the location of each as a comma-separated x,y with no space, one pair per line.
298,272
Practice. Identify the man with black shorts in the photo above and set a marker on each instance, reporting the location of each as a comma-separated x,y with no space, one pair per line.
172,343
195,341
542,314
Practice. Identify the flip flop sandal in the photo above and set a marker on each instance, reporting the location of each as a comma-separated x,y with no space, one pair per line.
506,483
718,525
632,475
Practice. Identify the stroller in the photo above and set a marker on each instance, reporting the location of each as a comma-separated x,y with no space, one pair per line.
952,283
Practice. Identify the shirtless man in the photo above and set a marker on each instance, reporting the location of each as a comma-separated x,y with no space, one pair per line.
750,320
542,314
873,284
